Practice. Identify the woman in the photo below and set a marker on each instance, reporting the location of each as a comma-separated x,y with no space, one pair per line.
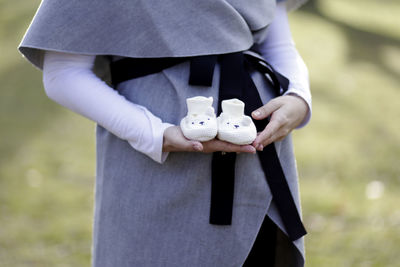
153,186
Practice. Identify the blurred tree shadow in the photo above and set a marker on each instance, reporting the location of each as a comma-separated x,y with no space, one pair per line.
364,45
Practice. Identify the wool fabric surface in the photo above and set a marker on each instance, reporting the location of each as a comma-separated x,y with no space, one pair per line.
151,214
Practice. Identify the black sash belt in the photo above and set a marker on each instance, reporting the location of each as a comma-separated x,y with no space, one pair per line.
235,82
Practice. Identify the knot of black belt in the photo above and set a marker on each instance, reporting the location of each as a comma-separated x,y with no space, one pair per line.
235,82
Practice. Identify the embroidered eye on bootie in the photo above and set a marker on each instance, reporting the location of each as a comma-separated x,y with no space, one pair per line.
200,124
233,126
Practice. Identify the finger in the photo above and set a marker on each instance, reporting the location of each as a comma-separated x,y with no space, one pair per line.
178,142
184,145
267,133
181,143
278,136
247,149
266,110
218,145
197,146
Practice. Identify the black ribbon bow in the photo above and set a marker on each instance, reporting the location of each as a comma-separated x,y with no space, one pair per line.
235,82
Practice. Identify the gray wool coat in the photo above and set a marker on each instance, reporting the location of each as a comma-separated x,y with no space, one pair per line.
151,214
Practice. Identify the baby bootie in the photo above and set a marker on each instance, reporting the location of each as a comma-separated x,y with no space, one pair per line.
233,126
200,124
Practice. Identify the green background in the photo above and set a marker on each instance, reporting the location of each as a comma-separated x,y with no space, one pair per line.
348,156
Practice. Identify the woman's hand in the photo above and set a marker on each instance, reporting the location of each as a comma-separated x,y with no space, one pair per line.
287,112
174,140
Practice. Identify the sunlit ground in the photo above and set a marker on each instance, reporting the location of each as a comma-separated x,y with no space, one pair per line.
348,156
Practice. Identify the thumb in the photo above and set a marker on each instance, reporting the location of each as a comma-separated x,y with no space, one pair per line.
266,110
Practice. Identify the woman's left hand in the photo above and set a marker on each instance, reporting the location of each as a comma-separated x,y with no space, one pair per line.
287,112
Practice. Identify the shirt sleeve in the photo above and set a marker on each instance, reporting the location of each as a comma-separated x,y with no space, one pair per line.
69,80
280,51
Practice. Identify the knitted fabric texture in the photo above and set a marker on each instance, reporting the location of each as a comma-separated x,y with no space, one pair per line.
200,124
233,126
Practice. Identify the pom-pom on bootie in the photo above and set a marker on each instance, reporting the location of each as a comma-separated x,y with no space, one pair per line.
200,124
233,126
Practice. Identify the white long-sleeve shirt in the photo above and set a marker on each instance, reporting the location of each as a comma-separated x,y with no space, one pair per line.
69,80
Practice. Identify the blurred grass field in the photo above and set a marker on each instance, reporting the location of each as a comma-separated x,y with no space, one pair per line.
348,156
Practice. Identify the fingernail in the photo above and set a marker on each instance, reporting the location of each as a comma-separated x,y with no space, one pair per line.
260,147
246,149
256,113
197,147
250,149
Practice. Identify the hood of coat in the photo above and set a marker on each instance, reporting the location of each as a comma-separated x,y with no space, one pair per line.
146,28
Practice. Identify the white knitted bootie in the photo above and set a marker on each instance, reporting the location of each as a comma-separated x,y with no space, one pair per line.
200,124
233,126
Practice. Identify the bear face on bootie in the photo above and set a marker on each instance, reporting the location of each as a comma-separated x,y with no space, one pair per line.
233,126
200,123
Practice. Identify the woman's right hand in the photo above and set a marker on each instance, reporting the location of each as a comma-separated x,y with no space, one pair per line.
174,140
